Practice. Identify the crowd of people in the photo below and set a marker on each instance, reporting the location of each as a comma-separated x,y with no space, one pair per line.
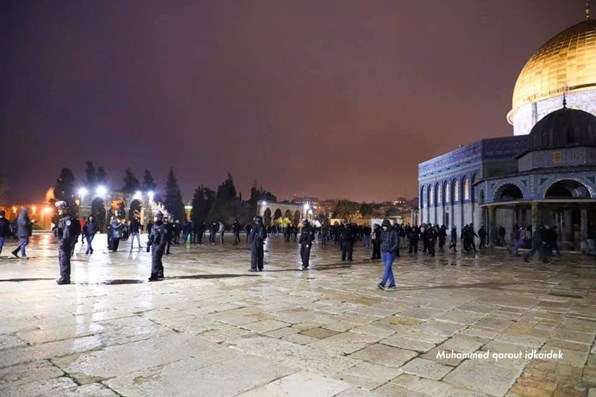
384,241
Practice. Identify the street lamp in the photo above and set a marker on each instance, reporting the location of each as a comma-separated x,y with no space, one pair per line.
150,194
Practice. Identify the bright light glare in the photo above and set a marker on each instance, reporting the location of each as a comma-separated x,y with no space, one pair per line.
82,192
101,191
151,195
138,195
306,207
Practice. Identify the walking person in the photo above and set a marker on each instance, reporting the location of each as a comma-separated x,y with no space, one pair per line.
135,226
158,238
537,245
24,231
307,236
257,239
89,230
388,249
482,235
67,232
5,231
116,234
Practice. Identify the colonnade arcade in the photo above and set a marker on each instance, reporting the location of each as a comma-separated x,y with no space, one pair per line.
565,204
124,206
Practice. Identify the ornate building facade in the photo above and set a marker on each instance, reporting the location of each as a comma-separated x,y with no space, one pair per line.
546,172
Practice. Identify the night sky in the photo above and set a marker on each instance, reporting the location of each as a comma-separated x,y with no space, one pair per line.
327,98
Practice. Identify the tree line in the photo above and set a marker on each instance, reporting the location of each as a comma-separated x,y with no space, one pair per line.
224,204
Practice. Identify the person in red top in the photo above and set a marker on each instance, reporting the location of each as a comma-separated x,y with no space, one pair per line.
82,221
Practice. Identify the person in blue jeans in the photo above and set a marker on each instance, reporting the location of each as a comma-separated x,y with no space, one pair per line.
388,250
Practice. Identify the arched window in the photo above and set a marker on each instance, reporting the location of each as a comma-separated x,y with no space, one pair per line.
432,196
456,190
439,194
447,193
466,188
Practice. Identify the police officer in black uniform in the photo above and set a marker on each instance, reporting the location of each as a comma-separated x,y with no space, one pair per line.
307,236
67,236
158,239
348,236
257,239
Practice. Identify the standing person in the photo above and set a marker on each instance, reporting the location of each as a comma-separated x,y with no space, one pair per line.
537,245
482,235
453,241
83,237
517,239
388,248
367,231
376,242
236,230
212,232
91,227
4,229
555,240
257,239
24,231
248,228
414,238
442,237
201,232
67,233
170,232
158,238
348,237
135,226
307,236
116,233
221,230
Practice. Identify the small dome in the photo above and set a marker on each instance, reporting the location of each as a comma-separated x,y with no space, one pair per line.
563,128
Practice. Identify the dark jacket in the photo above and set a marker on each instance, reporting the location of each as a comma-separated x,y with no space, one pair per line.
5,228
158,238
24,225
258,234
66,232
134,225
389,240
307,236
90,228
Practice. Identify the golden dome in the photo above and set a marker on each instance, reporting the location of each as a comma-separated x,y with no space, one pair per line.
566,60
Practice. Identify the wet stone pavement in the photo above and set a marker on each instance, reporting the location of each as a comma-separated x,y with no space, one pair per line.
457,326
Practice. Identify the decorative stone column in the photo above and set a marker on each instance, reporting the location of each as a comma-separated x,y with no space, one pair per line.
492,225
535,217
584,228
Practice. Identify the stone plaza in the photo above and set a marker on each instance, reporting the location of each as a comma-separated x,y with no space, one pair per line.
459,325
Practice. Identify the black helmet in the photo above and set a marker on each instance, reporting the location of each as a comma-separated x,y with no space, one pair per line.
158,214
305,222
258,219
386,223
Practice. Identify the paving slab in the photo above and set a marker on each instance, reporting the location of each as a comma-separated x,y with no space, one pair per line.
214,328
